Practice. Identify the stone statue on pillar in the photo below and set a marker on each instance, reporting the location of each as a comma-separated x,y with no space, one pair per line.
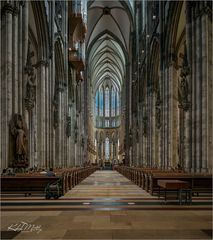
183,88
76,132
82,141
18,130
158,108
30,95
68,126
145,121
158,117
130,138
56,109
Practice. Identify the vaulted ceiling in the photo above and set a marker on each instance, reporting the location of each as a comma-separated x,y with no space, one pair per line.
108,40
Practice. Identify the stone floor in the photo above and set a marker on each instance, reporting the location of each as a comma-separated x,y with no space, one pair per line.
104,206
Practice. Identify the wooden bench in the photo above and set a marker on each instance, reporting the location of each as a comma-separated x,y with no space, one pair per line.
25,184
155,176
201,183
147,178
35,182
175,185
198,182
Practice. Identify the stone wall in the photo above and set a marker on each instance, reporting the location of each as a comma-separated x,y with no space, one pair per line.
35,84
174,116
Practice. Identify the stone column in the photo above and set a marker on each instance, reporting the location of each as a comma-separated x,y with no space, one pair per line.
6,84
140,135
188,114
187,145
62,108
72,147
127,112
110,106
193,92
153,140
149,127
1,129
161,131
20,59
205,92
198,96
165,125
209,94
51,86
47,122
15,61
170,110
66,69
25,37
41,111
59,155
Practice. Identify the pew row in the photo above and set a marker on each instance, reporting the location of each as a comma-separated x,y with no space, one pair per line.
31,183
147,178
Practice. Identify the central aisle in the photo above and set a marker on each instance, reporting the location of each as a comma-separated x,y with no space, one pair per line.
106,184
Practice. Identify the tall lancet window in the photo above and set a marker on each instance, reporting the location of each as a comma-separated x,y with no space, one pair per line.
118,104
107,105
107,148
107,102
113,100
101,102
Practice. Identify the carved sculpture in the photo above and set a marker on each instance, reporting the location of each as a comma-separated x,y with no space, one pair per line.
130,137
183,92
58,12
158,117
56,110
82,141
158,108
145,126
18,130
30,95
76,132
68,126
183,88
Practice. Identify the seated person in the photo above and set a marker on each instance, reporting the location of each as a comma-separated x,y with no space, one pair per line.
50,173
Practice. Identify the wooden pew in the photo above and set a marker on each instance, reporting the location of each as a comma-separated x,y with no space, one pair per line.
25,184
29,183
201,183
147,178
198,182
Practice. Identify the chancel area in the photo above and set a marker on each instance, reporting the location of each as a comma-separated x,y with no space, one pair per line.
106,114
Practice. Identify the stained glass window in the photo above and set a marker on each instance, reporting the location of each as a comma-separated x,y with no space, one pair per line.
107,106
107,102
118,104
113,102
101,102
